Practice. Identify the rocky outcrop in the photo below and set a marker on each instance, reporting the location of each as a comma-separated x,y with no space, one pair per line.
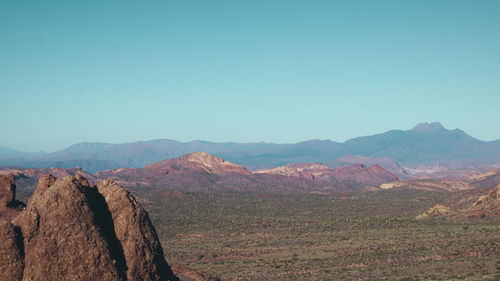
71,231
310,171
487,206
439,185
62,237
436,211
7,191
141,247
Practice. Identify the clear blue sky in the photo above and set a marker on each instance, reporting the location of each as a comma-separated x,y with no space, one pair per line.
276,71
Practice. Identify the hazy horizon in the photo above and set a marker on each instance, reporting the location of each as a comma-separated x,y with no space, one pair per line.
230,141
253,71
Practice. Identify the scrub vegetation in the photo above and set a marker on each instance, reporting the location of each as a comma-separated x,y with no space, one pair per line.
355,236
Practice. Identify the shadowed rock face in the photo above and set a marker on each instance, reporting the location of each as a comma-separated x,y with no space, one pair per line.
141,247
9,206
70,231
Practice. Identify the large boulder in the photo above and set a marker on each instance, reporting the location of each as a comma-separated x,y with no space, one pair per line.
133,228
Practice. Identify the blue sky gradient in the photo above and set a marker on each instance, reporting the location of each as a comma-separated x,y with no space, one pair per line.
276,71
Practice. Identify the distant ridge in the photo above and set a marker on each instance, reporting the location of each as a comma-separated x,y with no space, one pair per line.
355,176
199,171
424,145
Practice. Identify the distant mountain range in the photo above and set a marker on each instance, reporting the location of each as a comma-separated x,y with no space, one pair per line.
426,145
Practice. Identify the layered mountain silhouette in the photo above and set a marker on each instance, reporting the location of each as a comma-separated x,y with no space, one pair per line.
425,144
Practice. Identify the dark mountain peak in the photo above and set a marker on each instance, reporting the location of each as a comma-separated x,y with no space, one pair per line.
428,127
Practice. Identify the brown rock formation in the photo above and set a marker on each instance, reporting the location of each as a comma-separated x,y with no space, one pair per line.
141,247
45,182
62,239
9,206
67,232
11,252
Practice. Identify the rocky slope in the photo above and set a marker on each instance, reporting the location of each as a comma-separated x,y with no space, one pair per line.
199,161
351,177
487,206
469,204
489,179
71,230
311,171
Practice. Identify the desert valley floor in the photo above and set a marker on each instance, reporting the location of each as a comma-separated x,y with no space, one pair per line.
363,236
